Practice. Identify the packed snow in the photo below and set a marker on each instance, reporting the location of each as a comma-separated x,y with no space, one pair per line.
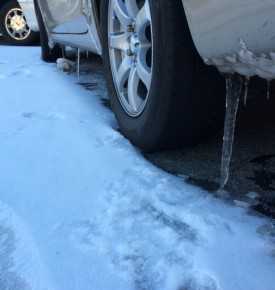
80,207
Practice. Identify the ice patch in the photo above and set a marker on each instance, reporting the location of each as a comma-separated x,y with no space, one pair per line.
246,63
20,264
102,216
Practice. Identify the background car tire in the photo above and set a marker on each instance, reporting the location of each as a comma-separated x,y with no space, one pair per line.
48,54
186,99
12,36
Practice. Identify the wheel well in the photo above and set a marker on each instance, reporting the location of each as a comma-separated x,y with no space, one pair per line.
97,3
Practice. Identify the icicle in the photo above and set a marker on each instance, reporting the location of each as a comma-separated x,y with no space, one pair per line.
87,54
63,52
246,88
234,85
268,89
78,63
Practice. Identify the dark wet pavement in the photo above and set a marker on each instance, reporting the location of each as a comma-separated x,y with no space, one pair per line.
253,163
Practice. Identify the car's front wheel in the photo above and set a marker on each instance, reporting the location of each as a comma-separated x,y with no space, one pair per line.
14,26
161,92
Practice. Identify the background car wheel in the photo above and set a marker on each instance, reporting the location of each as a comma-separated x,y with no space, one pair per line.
14,26
48,54
162,94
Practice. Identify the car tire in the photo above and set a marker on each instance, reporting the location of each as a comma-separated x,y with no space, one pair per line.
14,33
48,54
186,98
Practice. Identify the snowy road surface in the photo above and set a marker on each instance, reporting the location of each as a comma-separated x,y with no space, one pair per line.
81,209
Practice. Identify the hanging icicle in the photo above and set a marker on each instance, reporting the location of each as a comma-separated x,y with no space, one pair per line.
234,85
268,89
246,89
78,64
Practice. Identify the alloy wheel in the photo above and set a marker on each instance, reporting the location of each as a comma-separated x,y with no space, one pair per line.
16,25
131,52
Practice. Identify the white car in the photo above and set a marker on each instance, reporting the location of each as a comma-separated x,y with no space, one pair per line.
18,22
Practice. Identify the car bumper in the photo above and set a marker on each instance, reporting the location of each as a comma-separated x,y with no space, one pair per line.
235,36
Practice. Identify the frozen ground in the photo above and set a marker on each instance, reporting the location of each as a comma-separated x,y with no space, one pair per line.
253,163
82,209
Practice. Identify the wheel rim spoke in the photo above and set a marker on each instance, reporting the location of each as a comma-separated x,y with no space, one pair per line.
119,41
133,98
132,7
121,13
123,73
131,52
143,17
144,72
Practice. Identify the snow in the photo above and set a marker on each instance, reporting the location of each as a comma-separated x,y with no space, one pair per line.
82,209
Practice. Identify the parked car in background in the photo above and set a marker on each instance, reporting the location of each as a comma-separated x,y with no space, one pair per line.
155,54
18,22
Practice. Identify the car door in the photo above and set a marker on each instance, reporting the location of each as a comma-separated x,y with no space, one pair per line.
65,16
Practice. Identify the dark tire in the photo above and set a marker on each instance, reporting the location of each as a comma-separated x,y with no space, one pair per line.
186,99
11,36
48,54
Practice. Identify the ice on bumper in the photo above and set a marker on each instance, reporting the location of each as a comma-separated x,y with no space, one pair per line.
246,63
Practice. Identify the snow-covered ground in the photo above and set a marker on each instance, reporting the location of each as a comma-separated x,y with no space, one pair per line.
80,208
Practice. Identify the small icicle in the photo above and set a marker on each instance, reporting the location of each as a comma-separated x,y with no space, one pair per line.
63,52
234,84
78,64
246,89
268,89
87,54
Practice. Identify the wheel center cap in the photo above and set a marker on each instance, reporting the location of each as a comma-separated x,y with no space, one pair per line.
134,44
17,23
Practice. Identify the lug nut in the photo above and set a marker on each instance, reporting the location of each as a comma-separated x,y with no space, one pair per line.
130,28
129,52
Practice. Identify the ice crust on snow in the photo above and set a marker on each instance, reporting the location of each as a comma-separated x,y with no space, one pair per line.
21,267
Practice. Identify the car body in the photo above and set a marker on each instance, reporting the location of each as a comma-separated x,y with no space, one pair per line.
159,57
76,25
232,35
28,9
